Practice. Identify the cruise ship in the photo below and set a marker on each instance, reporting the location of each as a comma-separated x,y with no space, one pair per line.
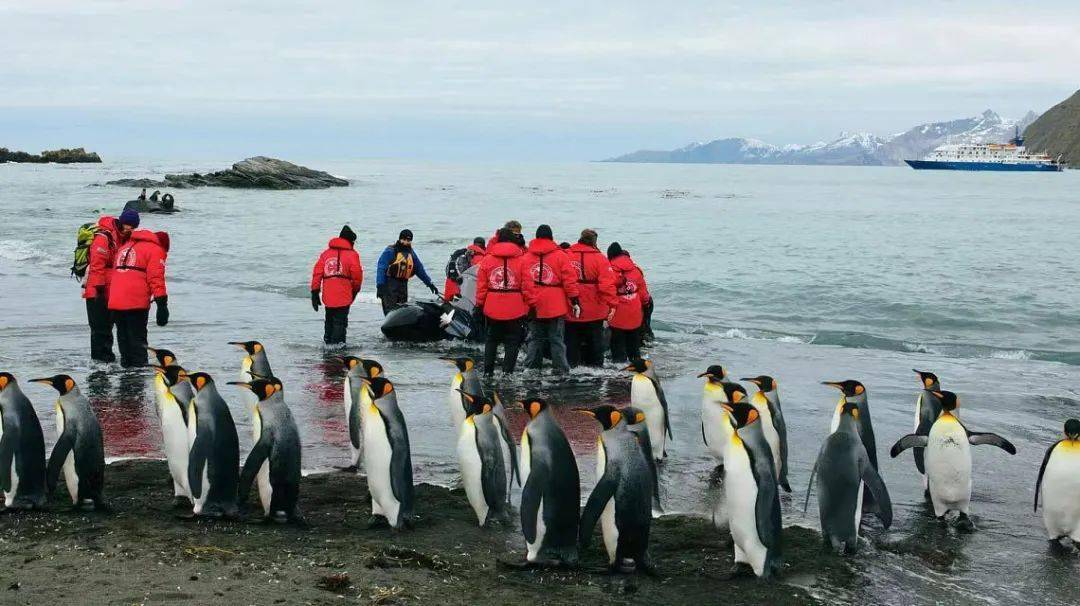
987,156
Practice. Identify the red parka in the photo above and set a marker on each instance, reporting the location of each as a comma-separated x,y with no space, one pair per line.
102,253
631,291
596,283
551,279
451,288
338,274
499,283
138,273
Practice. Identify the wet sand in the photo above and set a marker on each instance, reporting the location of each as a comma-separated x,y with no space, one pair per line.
142,553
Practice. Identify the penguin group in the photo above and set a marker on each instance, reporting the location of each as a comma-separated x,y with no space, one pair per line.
746,434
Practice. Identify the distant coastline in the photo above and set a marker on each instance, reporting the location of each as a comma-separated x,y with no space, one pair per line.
58,156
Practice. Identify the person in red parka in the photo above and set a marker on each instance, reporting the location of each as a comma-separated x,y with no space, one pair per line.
551,289
596,288
500,300
632,293
513,225
138,279
337,276
111,233
476,252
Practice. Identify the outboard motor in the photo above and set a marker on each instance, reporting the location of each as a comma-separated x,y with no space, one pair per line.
426,321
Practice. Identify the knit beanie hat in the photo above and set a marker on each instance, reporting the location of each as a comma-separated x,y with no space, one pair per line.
544,231
348,234
130,217
406,234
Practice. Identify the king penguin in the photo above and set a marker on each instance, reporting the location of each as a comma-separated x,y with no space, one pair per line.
255,363
1059,486
635,422
716,428
173,397
948,458
483,463
356,370
79,451
751,498
214,456
22,449
927,409
387,458
274,460
551,494
647,394
164,357
855,392
622,498
767,402
844,469
465,381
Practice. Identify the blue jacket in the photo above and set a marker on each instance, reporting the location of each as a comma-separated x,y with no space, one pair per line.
387,257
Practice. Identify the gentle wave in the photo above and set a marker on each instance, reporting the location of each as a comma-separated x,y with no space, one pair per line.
21,251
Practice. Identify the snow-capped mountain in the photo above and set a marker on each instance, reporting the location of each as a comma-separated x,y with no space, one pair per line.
860,149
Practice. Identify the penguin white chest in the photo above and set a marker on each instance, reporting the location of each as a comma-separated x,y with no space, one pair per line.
71,477
175,442
262,478
643,395
948,466
525,463
715,427
454,405
9,496
836,416
472,470
740,493
377,454
1061,492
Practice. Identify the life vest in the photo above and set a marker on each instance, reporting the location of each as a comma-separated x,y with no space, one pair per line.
332,268
544,275
581,271
504,281
401,267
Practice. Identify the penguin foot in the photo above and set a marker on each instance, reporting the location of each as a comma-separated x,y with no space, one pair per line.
964,523
185,515
349,469
739,570
376,521
1063,545
181,502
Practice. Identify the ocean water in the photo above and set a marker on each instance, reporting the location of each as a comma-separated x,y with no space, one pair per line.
805,273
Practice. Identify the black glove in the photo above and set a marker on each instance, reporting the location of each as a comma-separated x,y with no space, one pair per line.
434,290
380,291
99,294
162,310
477,316
575,307
315,300
532,313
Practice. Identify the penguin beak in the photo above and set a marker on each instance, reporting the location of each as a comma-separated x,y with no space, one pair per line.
158,369
705,374
630,368
833,384
586,411
240,384
752,380
43,381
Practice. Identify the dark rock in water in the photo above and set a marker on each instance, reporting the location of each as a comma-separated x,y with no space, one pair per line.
259,172
59,156
151,206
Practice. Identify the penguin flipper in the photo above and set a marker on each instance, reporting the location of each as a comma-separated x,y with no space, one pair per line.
354,423
401,480
872,479
594,507
492,472
505,431
781,430
663,404
57,458
258,455
531,496
200,450
767,506
977,438
810,486
1042,470
909,441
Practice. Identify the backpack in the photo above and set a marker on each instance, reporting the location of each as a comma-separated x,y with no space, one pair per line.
83,239
460,261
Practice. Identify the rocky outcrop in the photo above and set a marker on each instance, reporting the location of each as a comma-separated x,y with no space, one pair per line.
1057,132
259,172
59,156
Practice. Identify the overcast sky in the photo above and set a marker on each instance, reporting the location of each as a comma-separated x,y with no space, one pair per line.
511,80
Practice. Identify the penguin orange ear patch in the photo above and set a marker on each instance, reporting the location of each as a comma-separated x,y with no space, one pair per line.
3,382
69,384
534,409
639,417
257,347
737,397
487,408
928,382
859,389
387,388
200,382
616,416
353,362
752,416
269,390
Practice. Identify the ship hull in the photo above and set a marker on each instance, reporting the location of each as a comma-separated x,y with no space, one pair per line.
994,166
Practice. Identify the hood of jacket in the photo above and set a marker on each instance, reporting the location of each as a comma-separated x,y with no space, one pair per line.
623,263
578,247
476,250
144,235
542,246
110,223
505,249
340,243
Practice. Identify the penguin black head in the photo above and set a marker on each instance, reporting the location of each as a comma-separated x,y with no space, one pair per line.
715,373
372,368
533,406
164,356
850,408
949,401
608,416
6,378
1072,429
929,379
763,382
263,387
849,388
170,373
475,404
61,383
251,347
639,365
735,393
198,380
380,387
633,415
742,414
463,364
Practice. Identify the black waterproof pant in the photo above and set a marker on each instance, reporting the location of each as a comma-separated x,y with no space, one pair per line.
101,330
131,336
395,293
585,343
336,325
625,345
508,333
646,325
